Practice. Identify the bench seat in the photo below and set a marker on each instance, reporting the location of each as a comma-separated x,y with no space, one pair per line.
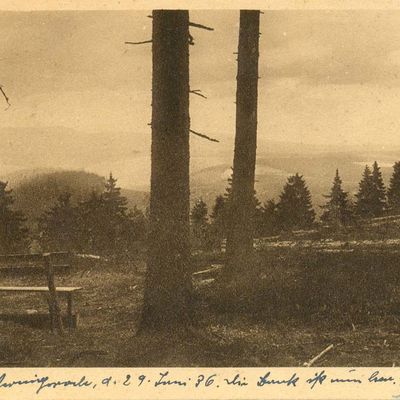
65,290
62,289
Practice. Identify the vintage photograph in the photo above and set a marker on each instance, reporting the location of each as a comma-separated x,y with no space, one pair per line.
200,188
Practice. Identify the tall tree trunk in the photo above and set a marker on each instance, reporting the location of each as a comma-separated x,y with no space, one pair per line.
167,299
242,208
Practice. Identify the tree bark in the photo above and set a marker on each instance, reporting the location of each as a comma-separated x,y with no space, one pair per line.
242,208
168,289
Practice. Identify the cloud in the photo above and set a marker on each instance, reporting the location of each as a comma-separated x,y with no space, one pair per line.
326,77
334,47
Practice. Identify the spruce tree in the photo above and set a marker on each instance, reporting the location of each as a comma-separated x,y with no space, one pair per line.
58,226
218,223
295,208
13,234
227,215
394,190
138,223
379,192
227,197
337,210
240,235
114,218
92,224
199,223
218,208
199,214
107,226
168,289
363,206
115,214
114,202
132,229
270,223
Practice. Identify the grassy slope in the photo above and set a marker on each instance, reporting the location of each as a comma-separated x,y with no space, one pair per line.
110,307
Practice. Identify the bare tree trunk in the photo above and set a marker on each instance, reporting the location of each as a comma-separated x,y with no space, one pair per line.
242,208
167,301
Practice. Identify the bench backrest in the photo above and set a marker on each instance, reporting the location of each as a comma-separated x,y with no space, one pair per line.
37,261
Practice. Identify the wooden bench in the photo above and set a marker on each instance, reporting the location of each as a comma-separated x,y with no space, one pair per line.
61,260
48,263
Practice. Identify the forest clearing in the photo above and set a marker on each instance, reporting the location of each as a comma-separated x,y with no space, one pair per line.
285,321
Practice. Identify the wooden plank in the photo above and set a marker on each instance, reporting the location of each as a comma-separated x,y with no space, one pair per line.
61,289
61,258
57,253
55,312
213,269
36,257
36,320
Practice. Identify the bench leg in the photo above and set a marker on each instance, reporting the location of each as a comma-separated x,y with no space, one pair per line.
51,313
70,311
53,296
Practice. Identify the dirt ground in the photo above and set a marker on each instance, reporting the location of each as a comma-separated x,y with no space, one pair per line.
109,308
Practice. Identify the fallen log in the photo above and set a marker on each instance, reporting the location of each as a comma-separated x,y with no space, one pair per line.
316,358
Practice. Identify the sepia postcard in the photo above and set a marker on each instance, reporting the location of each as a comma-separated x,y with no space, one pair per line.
200,199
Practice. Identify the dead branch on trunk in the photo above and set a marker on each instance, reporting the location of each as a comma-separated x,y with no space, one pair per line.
203,136
191,40
194,24
200,26
5,97
197,92
145,41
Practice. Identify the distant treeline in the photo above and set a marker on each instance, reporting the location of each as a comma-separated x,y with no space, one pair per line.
103,224
100,224
294,209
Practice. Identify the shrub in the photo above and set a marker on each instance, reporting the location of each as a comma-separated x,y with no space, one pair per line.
345,286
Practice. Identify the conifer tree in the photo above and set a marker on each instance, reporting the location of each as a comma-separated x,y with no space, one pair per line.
91,224
394,190
13,234
363,204
337,210
115,204
270,223
115,210
132,229
240,235
217,227
227,196
199,214
226,215
295,208
199,223
218,208
168,287
106,225
258,216
58,226
379,192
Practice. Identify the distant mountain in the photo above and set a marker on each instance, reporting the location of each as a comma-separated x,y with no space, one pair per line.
36,191
272,172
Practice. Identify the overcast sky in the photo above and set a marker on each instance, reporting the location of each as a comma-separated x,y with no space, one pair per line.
81,97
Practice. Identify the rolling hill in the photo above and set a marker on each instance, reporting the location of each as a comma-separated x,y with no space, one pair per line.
272,172
36,191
